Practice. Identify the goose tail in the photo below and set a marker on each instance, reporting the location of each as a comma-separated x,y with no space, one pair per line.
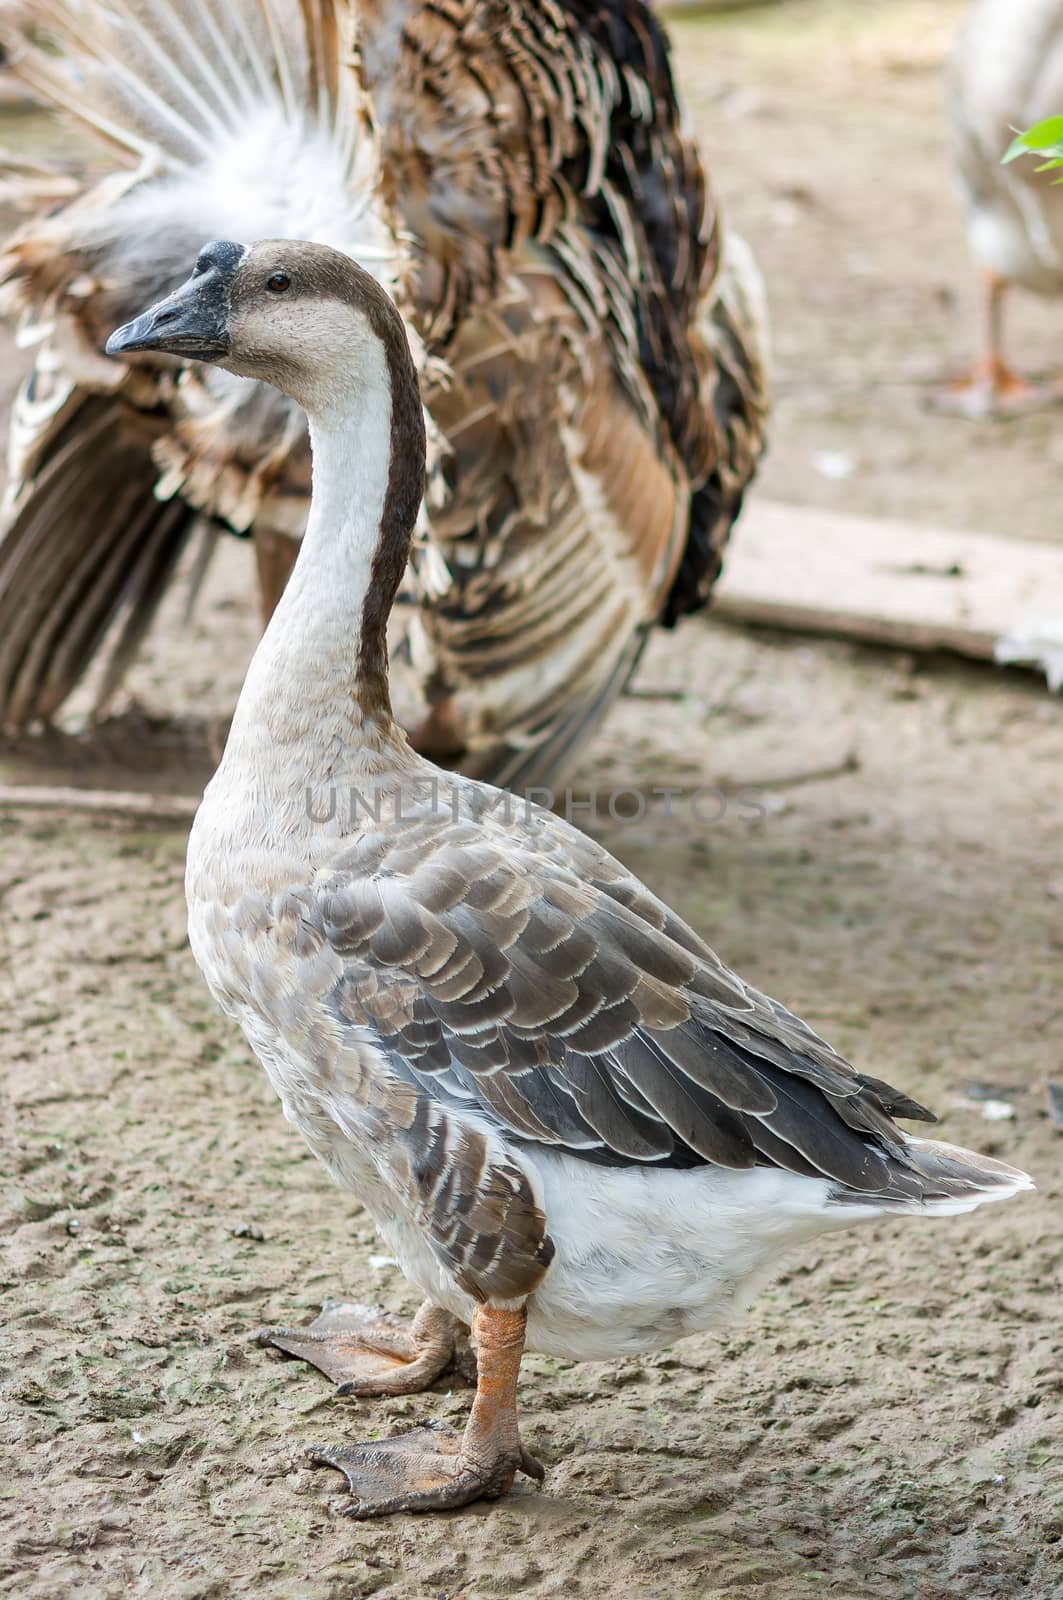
935,1179
237,119
166,81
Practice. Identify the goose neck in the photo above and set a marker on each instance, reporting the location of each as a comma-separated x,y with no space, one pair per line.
318,683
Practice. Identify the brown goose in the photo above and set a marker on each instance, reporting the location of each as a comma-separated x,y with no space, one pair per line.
589,340
574,1127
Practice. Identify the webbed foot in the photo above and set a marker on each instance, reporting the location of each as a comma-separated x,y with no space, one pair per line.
993,390
427,1469
366,1351
434,1468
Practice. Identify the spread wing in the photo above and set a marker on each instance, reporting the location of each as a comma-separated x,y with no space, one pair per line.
528,980
87,551
560,522
546,226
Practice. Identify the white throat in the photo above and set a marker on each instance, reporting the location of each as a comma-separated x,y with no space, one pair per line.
297,720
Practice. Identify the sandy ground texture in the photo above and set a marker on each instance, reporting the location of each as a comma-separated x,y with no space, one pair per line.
886,1421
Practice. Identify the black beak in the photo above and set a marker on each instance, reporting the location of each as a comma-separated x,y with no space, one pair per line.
193,322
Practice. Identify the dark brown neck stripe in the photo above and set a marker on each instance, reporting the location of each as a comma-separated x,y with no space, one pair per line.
402,500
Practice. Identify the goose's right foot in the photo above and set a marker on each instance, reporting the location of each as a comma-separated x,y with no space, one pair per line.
367,1352
992,389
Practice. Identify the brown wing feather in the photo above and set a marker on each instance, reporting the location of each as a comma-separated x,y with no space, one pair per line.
570,1007
563,246
87,552
563,520
535,151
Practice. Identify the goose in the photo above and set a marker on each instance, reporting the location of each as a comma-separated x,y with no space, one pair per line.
590,340
1005,73
577,1131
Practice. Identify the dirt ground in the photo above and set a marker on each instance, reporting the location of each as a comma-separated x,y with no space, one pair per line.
886,1421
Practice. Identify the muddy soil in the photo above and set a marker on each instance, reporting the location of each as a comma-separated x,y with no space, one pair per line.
886,1421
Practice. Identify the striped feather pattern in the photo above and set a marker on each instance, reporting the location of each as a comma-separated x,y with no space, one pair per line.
590,342
468,981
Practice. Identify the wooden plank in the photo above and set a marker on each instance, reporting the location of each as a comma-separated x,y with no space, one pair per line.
889,582
165,810
675,8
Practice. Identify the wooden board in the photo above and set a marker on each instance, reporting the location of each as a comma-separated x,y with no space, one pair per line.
676,7
893,582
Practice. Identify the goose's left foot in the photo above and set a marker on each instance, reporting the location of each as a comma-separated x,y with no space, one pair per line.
366,1352
434,1468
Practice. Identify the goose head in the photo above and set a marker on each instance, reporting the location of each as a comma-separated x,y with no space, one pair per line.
300,316
313,323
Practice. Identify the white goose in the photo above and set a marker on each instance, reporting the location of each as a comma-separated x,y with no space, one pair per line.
574,1127
1005,73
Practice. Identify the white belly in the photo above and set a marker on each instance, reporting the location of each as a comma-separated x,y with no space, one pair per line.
645,1256
1020,243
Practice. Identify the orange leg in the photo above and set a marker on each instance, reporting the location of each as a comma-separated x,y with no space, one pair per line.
435,1468
991,388
991,374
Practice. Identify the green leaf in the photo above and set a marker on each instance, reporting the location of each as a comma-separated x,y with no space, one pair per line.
1043,135
1044,138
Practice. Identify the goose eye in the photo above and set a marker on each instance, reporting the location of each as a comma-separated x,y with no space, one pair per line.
278,282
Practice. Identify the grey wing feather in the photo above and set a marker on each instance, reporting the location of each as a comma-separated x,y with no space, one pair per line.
563,1003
